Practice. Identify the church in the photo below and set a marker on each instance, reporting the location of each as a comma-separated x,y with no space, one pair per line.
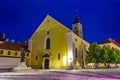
54,46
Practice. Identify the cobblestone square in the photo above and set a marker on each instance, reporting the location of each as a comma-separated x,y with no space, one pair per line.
107,74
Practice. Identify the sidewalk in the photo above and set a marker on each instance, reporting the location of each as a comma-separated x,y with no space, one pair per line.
55,74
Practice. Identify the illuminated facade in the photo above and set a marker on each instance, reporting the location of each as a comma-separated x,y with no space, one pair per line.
10,54
54,46
111,43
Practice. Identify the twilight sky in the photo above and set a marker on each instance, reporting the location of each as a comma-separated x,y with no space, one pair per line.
100,18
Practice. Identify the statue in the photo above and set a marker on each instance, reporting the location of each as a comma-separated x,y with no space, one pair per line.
22,55
22,66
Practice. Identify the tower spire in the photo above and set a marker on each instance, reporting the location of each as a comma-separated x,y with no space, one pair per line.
77,26
76,18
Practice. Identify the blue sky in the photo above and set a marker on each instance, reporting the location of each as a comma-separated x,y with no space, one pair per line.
100,18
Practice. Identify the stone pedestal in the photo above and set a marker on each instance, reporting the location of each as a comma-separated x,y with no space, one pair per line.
22,68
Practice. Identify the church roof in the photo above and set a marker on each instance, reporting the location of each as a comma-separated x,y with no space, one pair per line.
49,19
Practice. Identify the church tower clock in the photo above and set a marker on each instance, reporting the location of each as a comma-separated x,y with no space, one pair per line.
77,27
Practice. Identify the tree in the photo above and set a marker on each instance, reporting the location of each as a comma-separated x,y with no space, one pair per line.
104,54
93,54
117,57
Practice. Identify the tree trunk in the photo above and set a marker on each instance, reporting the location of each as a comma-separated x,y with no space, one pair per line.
108,65
96,65
105,64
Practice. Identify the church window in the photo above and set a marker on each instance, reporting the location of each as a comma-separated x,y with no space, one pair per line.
75,39
36,57
47,32
81,43
47,43
76,32
58,56
76,53
75,28
47,20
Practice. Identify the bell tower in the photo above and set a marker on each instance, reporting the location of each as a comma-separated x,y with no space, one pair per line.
77,27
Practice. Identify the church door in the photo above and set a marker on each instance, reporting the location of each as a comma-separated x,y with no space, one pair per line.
46,64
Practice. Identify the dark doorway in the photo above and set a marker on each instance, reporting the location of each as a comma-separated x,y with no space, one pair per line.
46,65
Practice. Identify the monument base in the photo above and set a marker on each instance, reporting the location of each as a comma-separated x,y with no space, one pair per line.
22,68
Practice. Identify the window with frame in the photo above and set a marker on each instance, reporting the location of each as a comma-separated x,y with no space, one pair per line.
1,51
47,43
76,53
16,53
36,57
9,52
47,32
58,56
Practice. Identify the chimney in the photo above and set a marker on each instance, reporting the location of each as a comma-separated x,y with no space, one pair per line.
2,37
7,40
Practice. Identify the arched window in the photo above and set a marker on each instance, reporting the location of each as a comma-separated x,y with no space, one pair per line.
76,53
58,56
47,43
47,32
36,57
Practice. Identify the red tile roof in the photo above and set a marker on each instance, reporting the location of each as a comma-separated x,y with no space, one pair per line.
111,41
13,46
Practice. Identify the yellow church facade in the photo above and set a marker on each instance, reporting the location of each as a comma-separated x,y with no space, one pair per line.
54,46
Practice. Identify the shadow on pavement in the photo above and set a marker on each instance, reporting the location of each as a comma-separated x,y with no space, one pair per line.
6,70
110,75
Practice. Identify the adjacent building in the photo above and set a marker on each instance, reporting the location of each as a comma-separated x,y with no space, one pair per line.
111,43
10,53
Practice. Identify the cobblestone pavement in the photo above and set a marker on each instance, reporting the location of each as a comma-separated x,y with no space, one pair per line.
63,75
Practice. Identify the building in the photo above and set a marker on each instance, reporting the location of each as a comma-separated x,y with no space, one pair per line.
10,53
2,37
54,46
111,43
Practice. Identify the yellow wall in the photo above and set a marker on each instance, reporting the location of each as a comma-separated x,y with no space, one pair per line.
12,54
80,44
58,43
58,37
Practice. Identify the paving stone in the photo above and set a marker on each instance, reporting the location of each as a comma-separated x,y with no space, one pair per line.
63,75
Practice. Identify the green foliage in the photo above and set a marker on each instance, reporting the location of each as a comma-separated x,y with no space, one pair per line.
105,54
93,53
